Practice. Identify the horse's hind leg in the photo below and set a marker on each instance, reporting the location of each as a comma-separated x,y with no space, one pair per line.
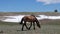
30,26
34,25
25,25
21,21
22,26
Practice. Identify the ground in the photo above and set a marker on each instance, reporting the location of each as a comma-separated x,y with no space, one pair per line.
16,29
47,26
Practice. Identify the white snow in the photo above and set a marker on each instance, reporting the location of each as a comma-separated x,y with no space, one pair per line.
19,17
13,18
49,17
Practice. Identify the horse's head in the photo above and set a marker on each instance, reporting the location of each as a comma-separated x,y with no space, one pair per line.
38,23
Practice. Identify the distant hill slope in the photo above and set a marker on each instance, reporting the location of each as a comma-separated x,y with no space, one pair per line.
29,13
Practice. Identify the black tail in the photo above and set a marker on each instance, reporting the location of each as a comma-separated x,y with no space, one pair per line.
21,21
38,24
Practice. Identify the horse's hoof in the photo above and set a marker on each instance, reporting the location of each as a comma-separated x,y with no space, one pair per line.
34,28
21,30
28,28
20,23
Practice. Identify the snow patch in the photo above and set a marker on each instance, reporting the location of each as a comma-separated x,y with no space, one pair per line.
19,17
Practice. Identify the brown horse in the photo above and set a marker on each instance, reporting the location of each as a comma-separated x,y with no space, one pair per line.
31,19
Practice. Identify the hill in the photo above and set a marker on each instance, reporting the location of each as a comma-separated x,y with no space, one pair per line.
29,13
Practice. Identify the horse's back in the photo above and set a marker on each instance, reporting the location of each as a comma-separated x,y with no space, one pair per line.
29,18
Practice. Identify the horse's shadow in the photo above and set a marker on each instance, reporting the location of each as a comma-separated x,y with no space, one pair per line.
25,30
21,30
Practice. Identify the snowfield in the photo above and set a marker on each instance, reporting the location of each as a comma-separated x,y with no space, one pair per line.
19,17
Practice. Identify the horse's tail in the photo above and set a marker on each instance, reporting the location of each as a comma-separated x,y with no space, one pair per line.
38,24
21,21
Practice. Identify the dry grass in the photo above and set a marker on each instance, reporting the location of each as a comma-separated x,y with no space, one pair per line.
16,29
51,27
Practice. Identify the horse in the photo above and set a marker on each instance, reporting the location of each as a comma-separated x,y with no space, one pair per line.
30,19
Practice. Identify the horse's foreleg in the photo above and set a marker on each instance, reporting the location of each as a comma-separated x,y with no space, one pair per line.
34,25
30,26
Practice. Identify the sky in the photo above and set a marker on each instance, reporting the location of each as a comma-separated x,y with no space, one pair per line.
29,5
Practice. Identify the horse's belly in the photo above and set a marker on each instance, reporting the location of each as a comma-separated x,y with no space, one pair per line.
30,20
